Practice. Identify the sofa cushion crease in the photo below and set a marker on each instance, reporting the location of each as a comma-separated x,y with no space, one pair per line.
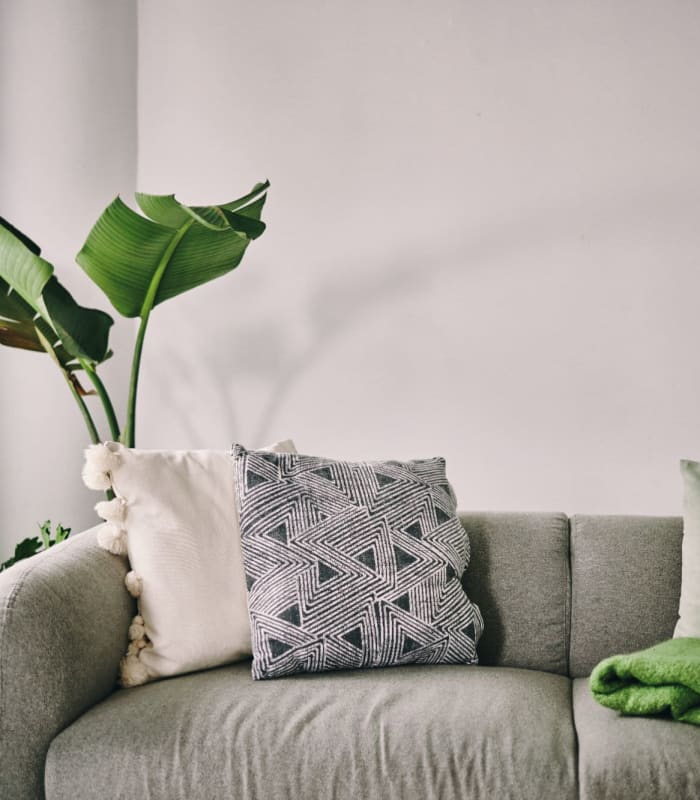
447,731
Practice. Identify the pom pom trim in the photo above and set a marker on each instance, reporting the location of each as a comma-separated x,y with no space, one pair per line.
132,672
112,510
133,583
113,538
136,632
100,462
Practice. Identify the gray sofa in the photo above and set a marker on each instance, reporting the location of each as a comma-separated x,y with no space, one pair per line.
557,595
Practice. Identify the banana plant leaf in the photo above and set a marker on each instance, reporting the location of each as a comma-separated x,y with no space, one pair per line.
141,261
84,332
19,326
26,241
22,270
36,309
19,334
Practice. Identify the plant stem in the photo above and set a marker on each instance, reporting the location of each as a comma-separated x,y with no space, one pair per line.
89,422
44,333
104,397
130,426
94,435
129,434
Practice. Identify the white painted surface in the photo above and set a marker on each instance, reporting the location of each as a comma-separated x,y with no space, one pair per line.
67,146
483,239
483,235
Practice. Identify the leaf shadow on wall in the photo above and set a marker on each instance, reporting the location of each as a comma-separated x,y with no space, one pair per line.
264,349
261,349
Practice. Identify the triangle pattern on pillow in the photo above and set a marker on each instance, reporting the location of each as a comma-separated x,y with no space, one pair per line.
354,564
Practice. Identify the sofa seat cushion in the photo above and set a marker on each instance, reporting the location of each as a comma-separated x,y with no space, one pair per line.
447,731
633,758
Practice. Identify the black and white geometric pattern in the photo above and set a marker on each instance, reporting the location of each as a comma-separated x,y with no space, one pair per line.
352,564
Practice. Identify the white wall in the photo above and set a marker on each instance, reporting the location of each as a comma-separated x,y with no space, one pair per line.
483,238
67,146
483,235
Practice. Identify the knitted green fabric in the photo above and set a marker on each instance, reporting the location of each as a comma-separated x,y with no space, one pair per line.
664,679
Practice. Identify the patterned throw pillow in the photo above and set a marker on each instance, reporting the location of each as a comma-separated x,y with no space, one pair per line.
352,565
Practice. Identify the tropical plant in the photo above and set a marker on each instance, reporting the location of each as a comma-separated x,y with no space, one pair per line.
139,261
33,545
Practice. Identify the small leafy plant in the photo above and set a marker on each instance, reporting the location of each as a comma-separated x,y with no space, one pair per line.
139,260
31,546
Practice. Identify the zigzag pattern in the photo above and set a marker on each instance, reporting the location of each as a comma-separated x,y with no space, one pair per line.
352,565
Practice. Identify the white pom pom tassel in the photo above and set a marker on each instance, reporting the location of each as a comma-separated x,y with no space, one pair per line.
133,583
112,510
100,461
132,671
111,537
137,646
137,629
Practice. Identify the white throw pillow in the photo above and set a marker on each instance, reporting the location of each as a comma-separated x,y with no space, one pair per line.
175,514
689,612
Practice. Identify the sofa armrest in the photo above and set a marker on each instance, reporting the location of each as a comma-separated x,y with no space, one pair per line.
64,616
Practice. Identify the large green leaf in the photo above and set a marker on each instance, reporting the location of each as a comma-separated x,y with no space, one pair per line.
162,208
26,336
141,261
26,241
84,332
22,270
12,306
33,302
241,223
19,334
255,194
121,254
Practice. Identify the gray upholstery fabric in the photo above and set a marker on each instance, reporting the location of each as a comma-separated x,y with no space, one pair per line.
405,732
626,578
633,758
63,621
519,578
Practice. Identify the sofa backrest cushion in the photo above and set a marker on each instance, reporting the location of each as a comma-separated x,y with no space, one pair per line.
626,579
519,578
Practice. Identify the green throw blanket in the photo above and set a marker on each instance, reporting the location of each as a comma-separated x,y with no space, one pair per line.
661,680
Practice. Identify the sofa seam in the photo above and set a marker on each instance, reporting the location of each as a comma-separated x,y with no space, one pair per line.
577,746
568,602
559,519
573,530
